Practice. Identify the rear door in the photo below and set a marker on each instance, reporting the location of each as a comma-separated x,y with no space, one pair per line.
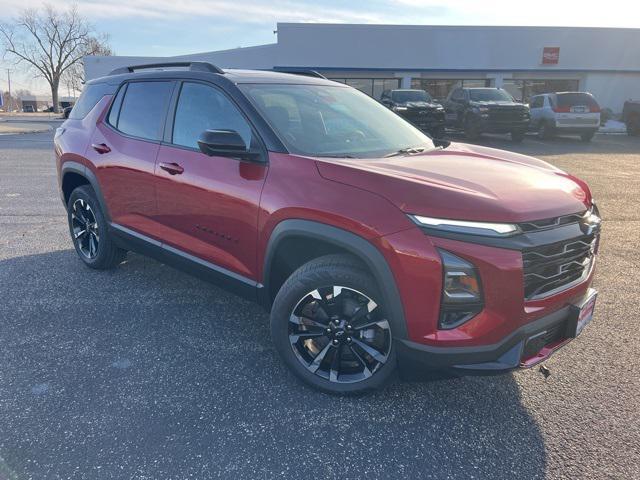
124,149
208,206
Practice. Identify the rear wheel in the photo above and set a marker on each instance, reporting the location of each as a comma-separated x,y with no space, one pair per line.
330,328
88,227
545,132
586,137
633,125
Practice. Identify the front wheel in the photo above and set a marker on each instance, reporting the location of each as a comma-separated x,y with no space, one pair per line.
471,129
88,227
586,137
517,136
330,328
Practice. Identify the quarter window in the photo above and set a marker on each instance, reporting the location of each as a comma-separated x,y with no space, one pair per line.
89,98
201,107
143,109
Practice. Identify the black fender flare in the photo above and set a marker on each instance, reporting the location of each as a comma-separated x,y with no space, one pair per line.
354,244
82,170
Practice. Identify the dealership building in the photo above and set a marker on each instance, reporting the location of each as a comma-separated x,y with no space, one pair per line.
523,60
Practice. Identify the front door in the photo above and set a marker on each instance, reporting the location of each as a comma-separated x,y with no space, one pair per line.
208,206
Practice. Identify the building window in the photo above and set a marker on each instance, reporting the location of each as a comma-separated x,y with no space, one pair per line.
523,90
371,86
439,88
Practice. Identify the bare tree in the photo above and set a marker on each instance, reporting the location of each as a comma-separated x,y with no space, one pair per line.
51,41
73,78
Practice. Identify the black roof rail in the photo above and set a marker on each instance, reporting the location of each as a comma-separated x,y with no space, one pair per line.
193,66
305,72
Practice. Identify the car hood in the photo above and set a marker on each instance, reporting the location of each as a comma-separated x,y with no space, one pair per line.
497,103
465,182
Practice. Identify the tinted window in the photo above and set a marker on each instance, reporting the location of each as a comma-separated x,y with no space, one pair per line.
537,102
574,99
201,108
115,107
143,109
489,95
457,94
403,96
90,96
333,121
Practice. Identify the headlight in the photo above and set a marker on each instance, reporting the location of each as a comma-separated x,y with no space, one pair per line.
462,226
461,292
399,109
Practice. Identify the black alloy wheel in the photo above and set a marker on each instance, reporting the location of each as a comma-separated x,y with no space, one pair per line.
85,228
337,334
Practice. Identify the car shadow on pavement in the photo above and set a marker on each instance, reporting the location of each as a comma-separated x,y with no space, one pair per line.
144,372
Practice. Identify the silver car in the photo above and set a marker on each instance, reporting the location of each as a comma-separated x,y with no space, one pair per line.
573,113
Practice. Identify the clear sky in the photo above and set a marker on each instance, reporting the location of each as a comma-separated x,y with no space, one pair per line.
174,27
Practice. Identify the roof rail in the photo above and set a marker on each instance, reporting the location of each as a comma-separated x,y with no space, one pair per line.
302,71
193,66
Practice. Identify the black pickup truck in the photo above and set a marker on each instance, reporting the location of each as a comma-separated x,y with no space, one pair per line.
418,108
492,110
631,116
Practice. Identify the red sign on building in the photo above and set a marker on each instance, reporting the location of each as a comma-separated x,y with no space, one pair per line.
550,55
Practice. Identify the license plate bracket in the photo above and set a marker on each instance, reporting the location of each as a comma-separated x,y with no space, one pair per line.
581,314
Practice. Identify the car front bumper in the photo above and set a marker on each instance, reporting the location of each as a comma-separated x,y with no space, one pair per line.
523,348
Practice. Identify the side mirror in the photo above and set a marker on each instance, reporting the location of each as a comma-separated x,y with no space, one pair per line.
225,143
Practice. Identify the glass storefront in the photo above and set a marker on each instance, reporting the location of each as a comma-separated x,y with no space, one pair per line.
371,86
523,90
439,88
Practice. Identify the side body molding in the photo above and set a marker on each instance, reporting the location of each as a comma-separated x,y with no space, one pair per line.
354,244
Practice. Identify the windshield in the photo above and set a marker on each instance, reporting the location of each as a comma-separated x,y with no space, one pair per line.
323,120
489,95
403,96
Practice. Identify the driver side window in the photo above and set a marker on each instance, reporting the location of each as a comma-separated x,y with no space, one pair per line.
202,107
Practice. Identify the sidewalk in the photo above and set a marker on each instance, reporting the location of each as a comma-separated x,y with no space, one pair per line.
11,128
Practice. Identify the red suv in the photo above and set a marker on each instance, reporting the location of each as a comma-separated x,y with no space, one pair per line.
372,245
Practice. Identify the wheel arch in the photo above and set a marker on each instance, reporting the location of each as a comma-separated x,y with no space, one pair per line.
74,174
334,240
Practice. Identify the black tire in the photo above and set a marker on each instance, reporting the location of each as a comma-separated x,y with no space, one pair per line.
471,130
438,133
545,132
633,125
95,246
586,137
517,136
308,289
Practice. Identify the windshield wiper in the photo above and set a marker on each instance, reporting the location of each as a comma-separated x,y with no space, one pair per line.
409,151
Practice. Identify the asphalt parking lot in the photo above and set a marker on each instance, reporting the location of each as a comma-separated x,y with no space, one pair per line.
147,373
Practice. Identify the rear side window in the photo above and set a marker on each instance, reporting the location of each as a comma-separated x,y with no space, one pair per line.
143,109
88,99
201,107
537,102
575,99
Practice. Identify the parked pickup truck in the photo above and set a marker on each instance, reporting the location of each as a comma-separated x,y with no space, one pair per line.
491,110
418,108
631,116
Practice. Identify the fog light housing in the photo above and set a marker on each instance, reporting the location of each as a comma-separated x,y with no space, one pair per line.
461,291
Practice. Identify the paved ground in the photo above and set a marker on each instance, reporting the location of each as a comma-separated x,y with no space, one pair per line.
147,373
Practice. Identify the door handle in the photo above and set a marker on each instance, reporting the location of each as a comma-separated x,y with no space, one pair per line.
100,148
171,168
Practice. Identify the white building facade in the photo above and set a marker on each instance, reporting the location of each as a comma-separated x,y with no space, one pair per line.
372,58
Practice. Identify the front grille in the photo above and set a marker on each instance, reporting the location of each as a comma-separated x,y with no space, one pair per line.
551,222
505,114
551,267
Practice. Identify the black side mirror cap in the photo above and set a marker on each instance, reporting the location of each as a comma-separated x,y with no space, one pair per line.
225,143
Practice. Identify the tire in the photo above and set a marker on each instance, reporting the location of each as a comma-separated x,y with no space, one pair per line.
517,136
333,320
438,133
586,137
95,247
545,132
633,125
471,131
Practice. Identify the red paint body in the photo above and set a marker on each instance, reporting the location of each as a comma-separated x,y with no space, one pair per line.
223,210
